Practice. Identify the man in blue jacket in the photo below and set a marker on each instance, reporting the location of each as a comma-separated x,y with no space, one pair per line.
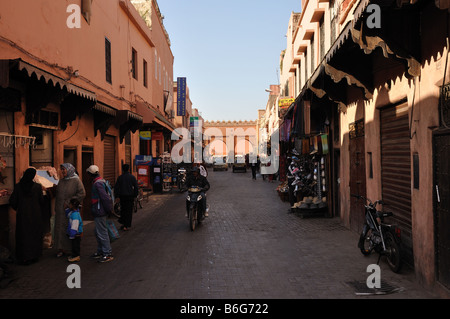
101,206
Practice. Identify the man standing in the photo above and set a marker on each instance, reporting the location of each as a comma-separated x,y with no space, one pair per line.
126,190
101,206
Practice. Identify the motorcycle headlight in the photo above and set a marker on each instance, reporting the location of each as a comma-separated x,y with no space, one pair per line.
199,197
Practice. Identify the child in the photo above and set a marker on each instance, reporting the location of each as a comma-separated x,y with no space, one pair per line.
74,228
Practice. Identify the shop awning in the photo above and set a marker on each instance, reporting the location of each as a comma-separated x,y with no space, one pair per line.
151,116
53,80
104,117
127,121
350,62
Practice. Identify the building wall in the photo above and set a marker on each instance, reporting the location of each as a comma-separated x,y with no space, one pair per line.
54,47
423,100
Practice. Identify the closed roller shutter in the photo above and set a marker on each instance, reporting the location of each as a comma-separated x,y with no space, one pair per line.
396,170
109,162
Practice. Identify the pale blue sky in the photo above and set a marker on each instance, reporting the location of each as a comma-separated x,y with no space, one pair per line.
228,51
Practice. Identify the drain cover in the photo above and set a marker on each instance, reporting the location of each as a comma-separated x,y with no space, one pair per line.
361,288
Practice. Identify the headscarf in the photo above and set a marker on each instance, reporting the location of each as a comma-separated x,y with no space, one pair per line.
70,170
26,182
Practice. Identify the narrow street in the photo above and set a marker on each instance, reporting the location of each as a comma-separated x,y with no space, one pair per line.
249,248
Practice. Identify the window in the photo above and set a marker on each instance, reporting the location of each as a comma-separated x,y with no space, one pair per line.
321,40
144,73
156,65
134,63
108,61
333,22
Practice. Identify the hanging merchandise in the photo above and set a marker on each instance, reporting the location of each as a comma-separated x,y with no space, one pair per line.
308,176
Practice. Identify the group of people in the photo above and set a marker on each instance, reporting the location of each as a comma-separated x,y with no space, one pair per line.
27,199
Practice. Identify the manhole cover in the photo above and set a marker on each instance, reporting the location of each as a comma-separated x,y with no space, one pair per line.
361,288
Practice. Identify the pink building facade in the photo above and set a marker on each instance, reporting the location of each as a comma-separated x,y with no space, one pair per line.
78,81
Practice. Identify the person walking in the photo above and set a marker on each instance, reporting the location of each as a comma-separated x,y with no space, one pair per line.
101,206
126,190
74,228
28,202
69,187
254,166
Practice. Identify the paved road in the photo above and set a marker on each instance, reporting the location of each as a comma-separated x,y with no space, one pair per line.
249,248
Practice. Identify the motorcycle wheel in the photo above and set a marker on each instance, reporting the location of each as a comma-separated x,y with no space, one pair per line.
192,218
393,256
116,210
364,243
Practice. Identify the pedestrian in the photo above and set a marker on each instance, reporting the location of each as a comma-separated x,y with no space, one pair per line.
102,206
125,191
28,201
254,166
74,228
69,187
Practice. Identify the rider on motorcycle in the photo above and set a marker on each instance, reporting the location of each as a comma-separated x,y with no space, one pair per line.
195,179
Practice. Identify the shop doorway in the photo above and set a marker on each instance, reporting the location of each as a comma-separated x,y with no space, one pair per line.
396,171
87,159
70,156
441,144
357,174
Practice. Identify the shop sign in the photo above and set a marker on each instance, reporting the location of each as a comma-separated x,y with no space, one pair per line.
181,96
285,102
145,135
193,121
157,136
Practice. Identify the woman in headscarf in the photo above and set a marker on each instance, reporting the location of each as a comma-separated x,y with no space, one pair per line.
69,187
28,201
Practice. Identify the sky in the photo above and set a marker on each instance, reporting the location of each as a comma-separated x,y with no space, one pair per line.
229,52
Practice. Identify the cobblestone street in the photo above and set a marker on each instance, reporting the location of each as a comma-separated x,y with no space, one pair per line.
250,247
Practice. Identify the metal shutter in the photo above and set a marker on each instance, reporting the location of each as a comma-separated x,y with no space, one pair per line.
109,162
396,169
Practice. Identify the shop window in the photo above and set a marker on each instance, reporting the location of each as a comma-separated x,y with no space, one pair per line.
42,153
45,118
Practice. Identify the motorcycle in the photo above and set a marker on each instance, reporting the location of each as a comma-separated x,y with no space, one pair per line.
195,211
378,236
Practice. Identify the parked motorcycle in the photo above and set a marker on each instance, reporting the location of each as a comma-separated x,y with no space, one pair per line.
378,236
195,211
